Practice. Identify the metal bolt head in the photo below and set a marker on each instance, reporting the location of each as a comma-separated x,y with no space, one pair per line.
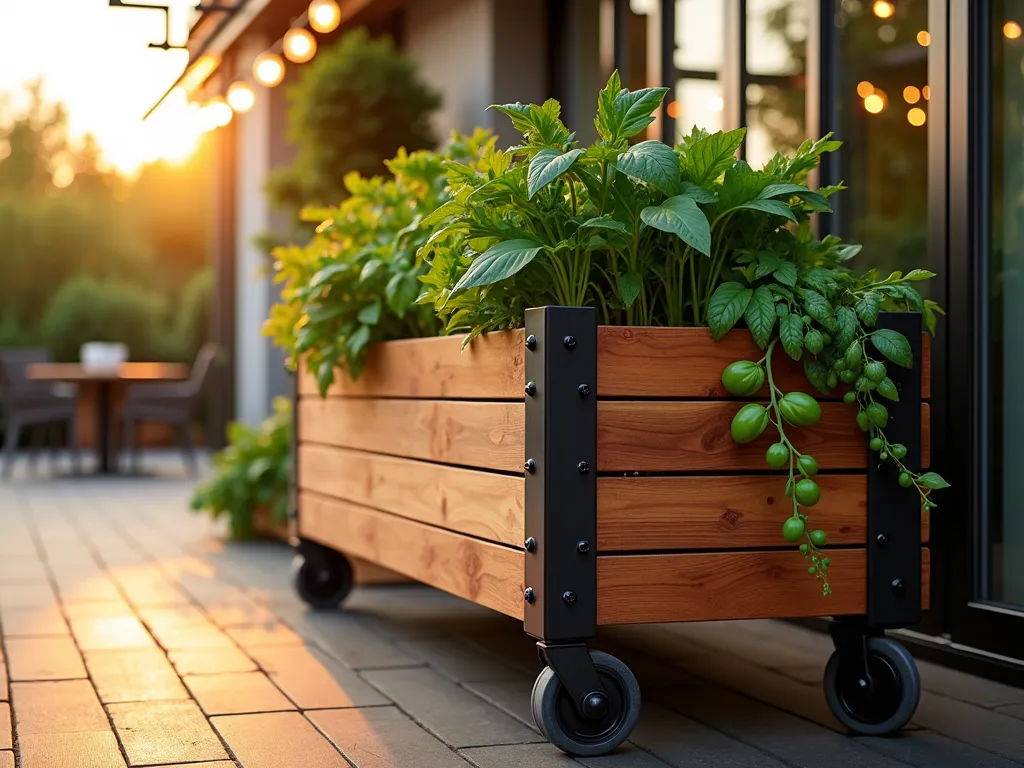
531,466
531,544
898,587
583,467
569,341
883,540
531,342
595,705
583,546
528,595
531,388
583,390
569,597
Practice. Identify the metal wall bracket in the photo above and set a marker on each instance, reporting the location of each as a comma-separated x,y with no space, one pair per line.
894,513
561,474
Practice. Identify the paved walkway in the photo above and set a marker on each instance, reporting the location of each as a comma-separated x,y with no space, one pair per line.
133,635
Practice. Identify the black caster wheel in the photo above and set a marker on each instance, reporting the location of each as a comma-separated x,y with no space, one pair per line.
892,699
559,722
323,582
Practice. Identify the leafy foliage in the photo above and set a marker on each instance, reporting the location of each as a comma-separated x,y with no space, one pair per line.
253,471
356,282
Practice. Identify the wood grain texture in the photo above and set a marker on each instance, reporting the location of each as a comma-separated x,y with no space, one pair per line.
485,573
652,436
490,368
482,435
641,589
633,361
482,504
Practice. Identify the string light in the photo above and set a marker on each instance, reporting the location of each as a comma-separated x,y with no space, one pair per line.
299,45
324,15
218,112
865,89
924,39
1011,30
874,103
673,109
268,69
241,98
883,9
926,92
911,94
916,116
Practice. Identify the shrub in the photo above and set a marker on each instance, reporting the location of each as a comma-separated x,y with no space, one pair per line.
252,472
85,309
354,106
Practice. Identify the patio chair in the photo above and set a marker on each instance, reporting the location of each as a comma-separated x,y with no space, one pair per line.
168,403
28,403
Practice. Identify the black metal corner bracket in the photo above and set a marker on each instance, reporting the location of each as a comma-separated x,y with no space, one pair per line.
561,474
166,45
894,513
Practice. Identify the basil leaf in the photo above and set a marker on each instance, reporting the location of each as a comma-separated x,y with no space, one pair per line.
681,216
726,307
760,316
546,166
652,162
791,332
498,262
893,345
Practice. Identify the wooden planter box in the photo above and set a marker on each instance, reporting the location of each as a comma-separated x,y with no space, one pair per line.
419,467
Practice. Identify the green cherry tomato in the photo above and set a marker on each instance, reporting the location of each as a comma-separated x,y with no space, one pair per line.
825,562
878,415
807,493
850,398
825,338
818,538
853,356
749,422
777,455
876,443
811,569
832,380
793,530
800,409
862,421
838,365
847,376
887,389
806,319
807,465
864,384
906,480
899,450
803,549
743,378
875,371
883,455
814,342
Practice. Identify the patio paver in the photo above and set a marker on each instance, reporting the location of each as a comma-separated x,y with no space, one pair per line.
134,635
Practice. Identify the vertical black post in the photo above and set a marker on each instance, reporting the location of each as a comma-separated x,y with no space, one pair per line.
667,48
561,473
293,490
894,512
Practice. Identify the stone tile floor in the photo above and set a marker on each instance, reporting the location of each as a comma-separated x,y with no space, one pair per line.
134,635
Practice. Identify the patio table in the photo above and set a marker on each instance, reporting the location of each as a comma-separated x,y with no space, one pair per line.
109,385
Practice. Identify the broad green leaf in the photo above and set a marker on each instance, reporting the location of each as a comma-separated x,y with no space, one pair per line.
707,157
370,314
438,215
918,274
767,263
370,269
777,190
328,272
786,273
846,321
629,287
681,216
893,345
652,162
605,222
498,262
358,341
770,206
320,313
847,252
760,315
518,113
817,374
699,194
932,480
819,308
546,166
791,333
726,307
868,307
401,293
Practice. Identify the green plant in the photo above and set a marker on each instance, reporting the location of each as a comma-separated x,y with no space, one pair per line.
656,235
356,282
253,471
85,309
355,104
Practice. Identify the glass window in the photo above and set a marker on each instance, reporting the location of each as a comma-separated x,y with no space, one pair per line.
883,111
1005,305
700,37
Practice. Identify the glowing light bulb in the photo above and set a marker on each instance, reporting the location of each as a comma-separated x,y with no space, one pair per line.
1011,30
926,92
324,15
874,103
241,98
219,112
883,9
299,45
268,69
924,38
865,89
916,116
911,94
673,109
